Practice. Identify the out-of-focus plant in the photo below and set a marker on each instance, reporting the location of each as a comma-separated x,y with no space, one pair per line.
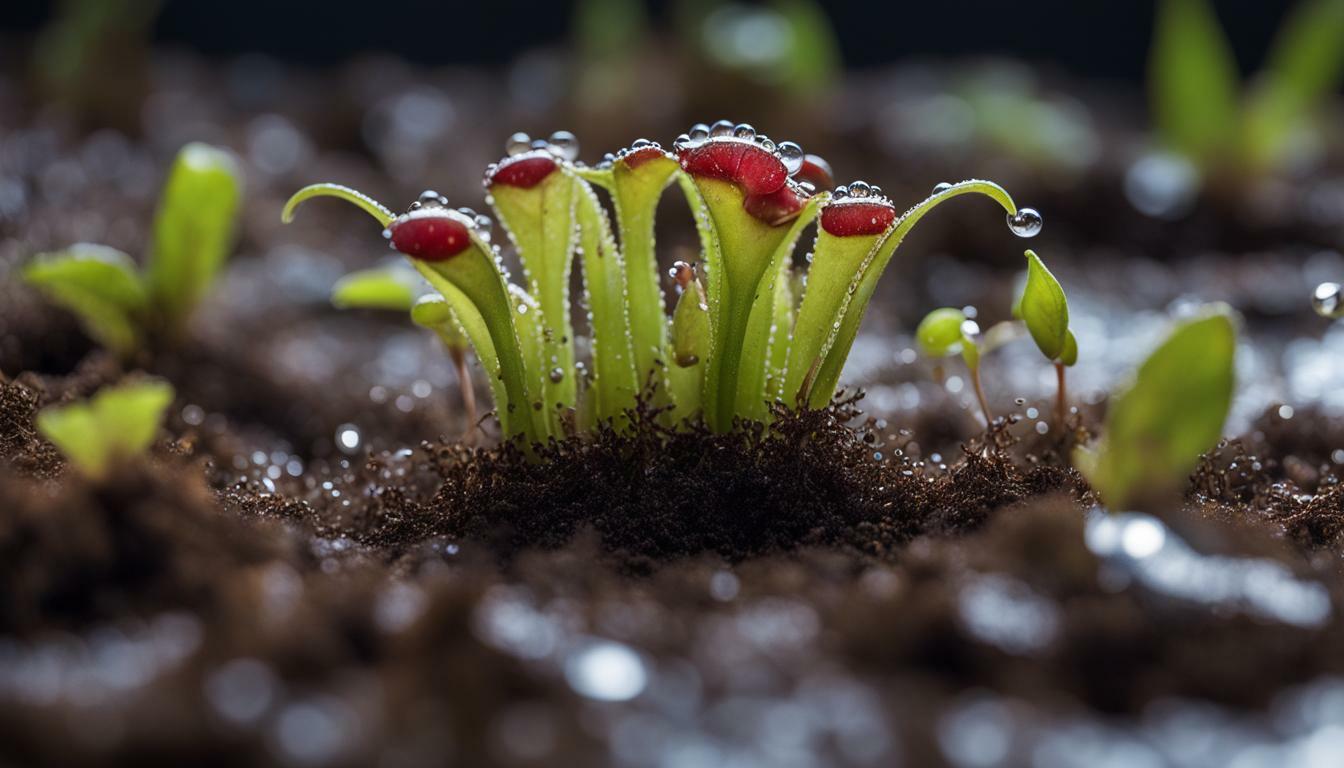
400,289
734,346
1173,411
92,56
947,331
1201,109
123,308
116,425
784,44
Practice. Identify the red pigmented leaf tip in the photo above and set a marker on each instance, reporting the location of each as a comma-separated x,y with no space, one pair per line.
524,171
637,157
817,172
744,163
868,217
776,208
429,234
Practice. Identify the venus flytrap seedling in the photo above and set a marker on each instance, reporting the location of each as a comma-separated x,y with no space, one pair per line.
742,334
947,331
1172,412
1044,309
116,425
123,308
400,289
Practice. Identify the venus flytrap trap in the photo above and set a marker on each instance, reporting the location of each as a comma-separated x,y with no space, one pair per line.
116,425
746,330
125,309
1172,412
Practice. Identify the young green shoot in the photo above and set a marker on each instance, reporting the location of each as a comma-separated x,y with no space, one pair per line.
399,288
1044,309
947,331
123,308
1173,411
743,333
116,425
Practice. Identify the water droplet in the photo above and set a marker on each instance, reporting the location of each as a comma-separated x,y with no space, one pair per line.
430,197
859,189
721,128
941,187
468,212
641,143
1327,300
557,375
1025,223
522,309
792,156
744,131
807,187
699,132
348,438
565,145
484,225
766,143
841,191
681,142
875,191
517,144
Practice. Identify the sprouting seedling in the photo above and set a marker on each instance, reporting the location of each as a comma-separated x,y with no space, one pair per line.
741,336
398,288
116,425
947,331
1196,92
1173,411
1044,309
122,307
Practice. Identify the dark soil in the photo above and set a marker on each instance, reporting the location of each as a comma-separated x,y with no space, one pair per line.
848,588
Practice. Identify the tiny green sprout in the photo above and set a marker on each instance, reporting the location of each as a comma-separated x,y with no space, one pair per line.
116,425
947,331
1197,96
123,308
398,288
1044,309
1172,412
744,334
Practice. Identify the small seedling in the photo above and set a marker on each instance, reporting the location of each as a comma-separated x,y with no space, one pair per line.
123,308
1044,309
1173,411
1200,109
116,425
947,331
397,288
740,337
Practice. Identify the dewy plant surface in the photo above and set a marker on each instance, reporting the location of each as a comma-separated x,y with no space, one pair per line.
749,330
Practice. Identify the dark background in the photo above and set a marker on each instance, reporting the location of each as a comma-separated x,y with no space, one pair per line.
1098,38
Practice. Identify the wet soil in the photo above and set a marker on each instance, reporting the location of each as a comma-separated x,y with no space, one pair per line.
878,583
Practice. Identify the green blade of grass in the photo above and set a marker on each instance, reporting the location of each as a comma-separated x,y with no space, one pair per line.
100,286
1193,80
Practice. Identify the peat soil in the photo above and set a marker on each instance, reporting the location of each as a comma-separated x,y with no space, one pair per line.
311,569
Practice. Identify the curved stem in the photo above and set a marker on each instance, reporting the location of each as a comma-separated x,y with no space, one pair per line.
353,196
980,395
1061,398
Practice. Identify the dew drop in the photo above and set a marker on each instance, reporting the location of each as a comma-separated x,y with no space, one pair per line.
699,132
470,213
522,309
807,188
841,191
557,375
766,143
565,145
1327,300
875,191
641,143
681,142
517,144
941,187
744,131
1025,223
722,128
792,156
430,197
348,438
859,189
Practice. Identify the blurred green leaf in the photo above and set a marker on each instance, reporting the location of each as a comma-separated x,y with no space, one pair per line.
939,333
1304,67
1194,80
193,229
117,424
609,30
1070,354
394,288
100,286
1173,412
814,59
433,311
1045,309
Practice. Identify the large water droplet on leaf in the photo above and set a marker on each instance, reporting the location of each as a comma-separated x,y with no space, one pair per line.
517,144
791,155
1026,222
565,145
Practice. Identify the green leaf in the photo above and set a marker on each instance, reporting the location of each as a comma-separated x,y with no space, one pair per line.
192,230
1045,309
939,333
615,380
856,304
394,288
119,423
1193,80
377,210
1171,414
433,311
1305,67
1070,354
100,286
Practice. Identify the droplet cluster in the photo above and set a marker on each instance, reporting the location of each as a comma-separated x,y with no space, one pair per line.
562,144
860,190
788,152
638,145
431,203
